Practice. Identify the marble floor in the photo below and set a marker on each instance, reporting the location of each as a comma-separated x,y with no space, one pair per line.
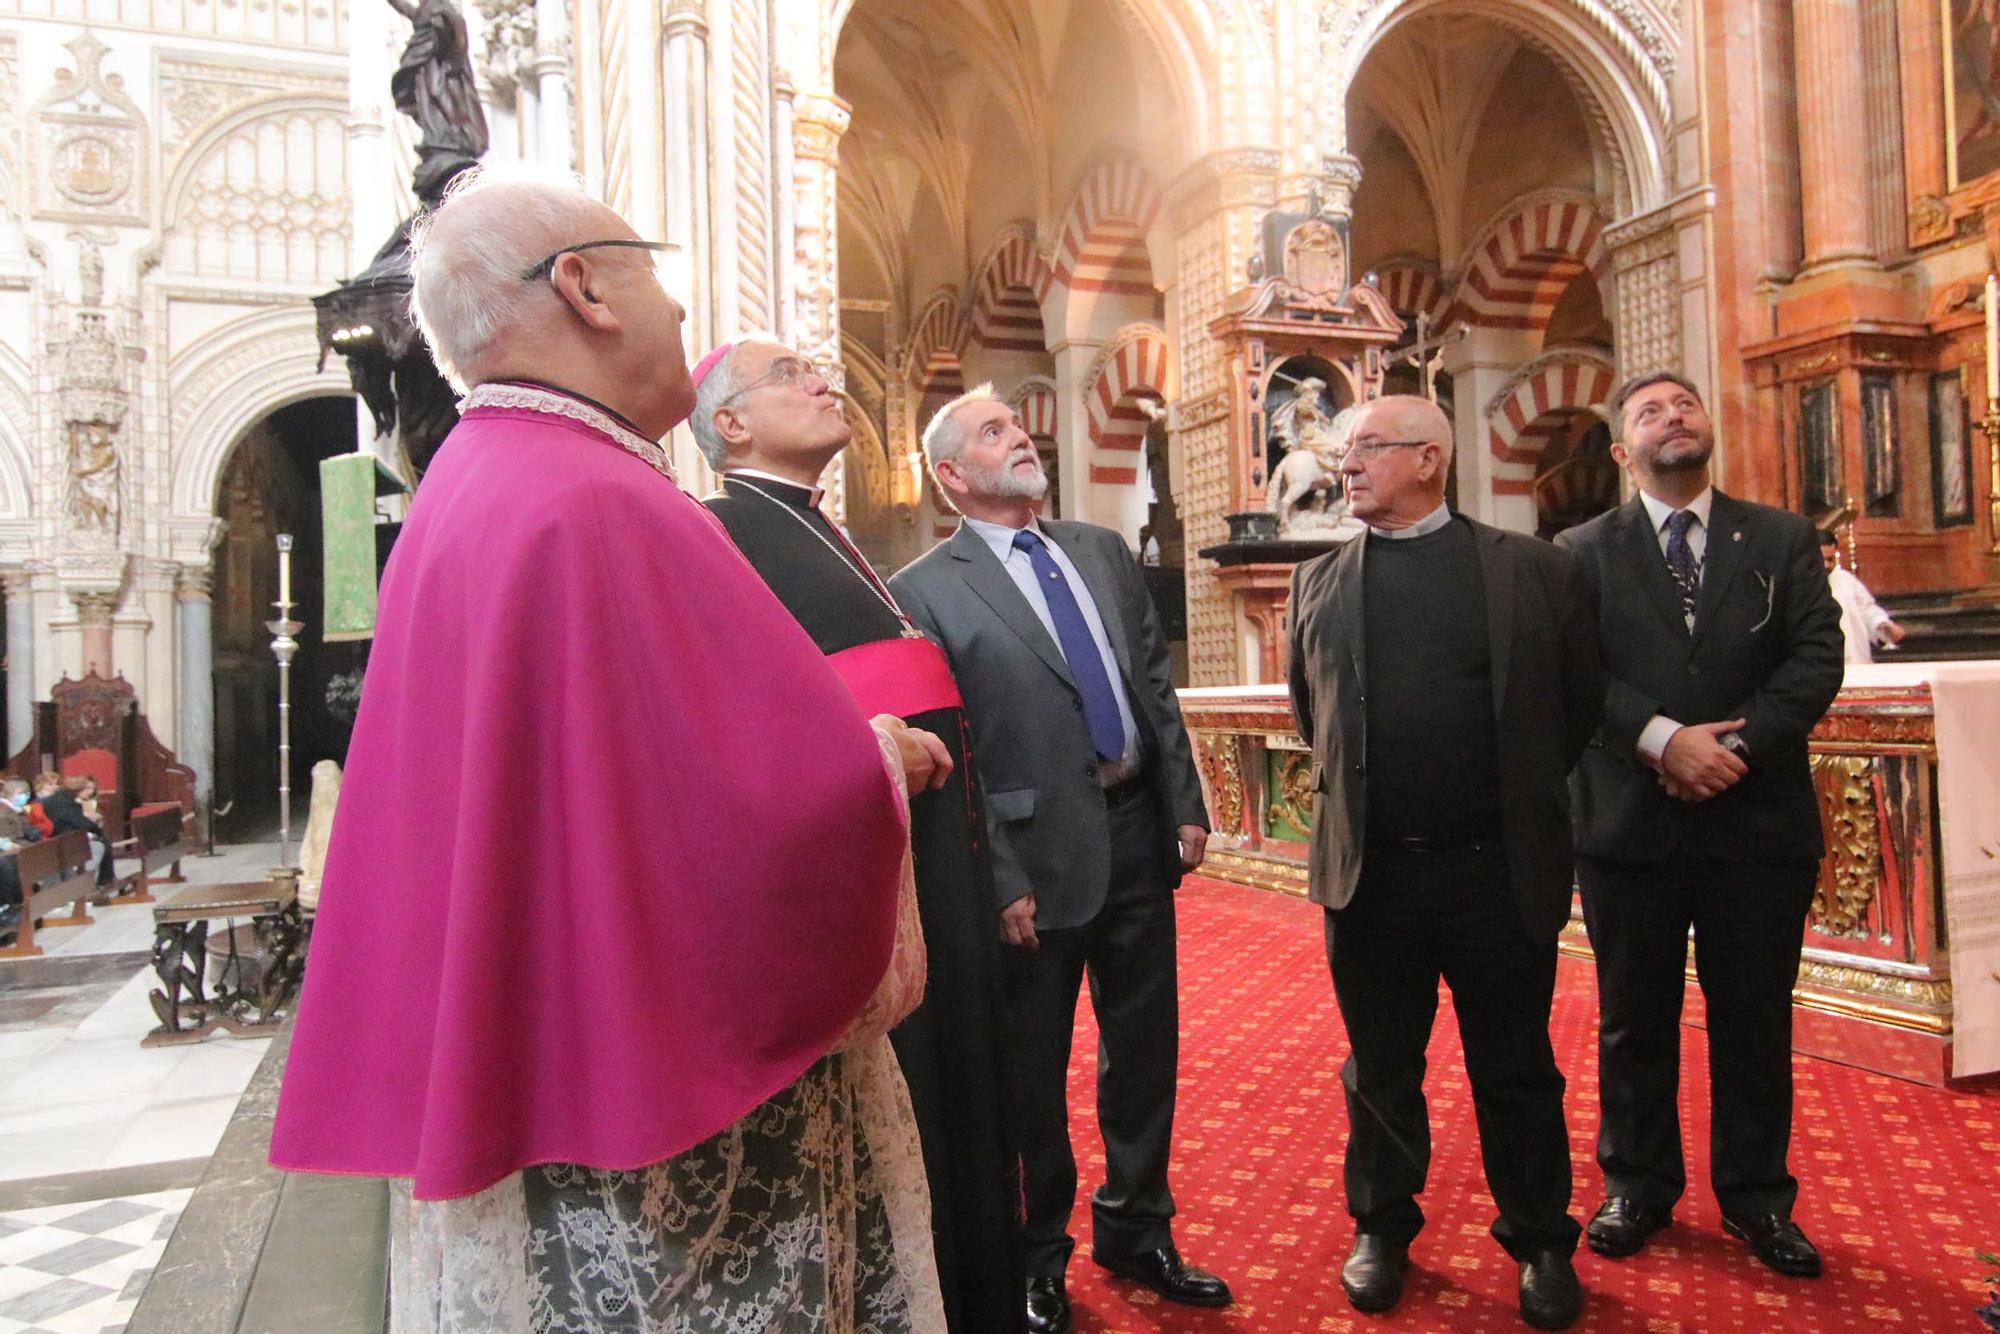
93,1124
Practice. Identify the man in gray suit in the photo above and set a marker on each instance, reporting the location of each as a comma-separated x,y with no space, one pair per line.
1446,676
1094,811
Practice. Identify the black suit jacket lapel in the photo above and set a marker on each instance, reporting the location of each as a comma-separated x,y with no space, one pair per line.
985,576
1496,568
1721,562
1641,550
1103,587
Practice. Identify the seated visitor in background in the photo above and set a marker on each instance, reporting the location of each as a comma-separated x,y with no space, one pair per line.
634,1075
62,801
15,831
1863,623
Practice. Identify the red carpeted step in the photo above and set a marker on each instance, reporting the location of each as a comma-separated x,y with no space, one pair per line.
1900,1184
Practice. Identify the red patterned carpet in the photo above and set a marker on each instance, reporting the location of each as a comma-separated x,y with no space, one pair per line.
1900,1184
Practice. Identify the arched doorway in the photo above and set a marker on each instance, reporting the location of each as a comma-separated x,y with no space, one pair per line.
270,485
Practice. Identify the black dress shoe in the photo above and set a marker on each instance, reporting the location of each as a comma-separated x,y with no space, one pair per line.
1164,1272
1372,1278
1621,1225
1777,1241
1048,1307
1551,1298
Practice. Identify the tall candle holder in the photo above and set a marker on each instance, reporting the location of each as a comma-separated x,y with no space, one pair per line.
284,644
1990,423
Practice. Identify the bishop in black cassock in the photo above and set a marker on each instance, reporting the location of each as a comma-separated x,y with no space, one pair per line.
771,425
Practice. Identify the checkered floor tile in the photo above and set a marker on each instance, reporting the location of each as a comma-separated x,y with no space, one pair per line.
79,1268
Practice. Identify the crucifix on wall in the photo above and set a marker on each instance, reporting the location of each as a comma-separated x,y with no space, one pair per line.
1424,354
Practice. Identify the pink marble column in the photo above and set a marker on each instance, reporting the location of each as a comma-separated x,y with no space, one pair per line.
1833,131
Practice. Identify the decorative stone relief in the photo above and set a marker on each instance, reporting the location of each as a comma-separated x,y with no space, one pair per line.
92,398
508,60
194,93
92,147
268,201
1646,261
10,125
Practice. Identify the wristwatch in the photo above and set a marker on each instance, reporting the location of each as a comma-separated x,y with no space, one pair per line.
1734,743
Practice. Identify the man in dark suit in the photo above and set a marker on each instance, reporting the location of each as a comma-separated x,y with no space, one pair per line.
1445,675
1695,806
1093,810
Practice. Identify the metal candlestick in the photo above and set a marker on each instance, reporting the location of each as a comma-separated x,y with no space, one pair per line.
1991,426
283,645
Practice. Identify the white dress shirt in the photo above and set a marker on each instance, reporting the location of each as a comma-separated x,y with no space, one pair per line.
1659,729
1021,570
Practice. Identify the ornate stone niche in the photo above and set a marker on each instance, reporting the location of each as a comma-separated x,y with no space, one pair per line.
1303,342
92,147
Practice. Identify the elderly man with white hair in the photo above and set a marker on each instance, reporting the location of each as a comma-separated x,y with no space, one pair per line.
631,1074
1093,813
769,422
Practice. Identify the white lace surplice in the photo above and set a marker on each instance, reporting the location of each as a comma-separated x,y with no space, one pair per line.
811,1213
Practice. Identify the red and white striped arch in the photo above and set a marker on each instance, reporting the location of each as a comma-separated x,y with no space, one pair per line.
1132,367
1412,288
1518,272
1538,406
1034,402
1006,310
1102,244
937,340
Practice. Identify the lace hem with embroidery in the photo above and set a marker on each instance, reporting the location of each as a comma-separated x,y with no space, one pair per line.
901,989
811,1213
529,398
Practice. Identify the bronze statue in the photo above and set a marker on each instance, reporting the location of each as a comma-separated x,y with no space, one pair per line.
433,85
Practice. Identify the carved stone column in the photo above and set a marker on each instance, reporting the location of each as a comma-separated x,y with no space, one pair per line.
93,617
195,731
555,136
818,121
1833,131
1645,258
19,586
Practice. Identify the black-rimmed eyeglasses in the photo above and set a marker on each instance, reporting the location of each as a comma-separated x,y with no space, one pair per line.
548,265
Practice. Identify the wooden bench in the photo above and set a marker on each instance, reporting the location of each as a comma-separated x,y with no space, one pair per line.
54,873
157,834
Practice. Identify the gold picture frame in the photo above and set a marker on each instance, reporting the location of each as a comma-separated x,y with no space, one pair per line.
1971,91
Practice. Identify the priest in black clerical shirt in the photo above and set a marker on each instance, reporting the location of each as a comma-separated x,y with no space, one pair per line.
1446,676
768,422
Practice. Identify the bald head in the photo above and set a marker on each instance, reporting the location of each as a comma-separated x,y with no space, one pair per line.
596,321
1398,456
1405,417
467,257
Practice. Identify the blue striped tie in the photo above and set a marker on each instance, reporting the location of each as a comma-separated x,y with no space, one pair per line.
1086,664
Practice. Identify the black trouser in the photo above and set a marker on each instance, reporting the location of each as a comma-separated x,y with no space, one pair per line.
1128,952
1749,923
1416,917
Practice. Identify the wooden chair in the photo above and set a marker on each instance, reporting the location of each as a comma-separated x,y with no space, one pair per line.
94,727
54,872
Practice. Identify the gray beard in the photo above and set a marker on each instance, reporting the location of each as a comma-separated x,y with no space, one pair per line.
1002,484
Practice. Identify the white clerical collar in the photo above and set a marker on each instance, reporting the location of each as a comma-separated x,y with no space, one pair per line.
814,491
1423,527
1659,511
1000,537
